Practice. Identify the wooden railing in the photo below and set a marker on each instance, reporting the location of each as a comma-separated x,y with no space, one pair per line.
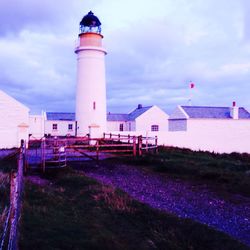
55,151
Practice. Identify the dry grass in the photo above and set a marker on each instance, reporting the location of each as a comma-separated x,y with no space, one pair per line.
75,212
4,198
114,200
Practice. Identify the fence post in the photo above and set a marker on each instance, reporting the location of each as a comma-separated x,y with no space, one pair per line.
97,150
156,144
134,146
146,143
140,145
26,159
43,155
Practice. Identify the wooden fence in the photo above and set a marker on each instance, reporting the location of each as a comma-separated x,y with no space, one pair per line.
9,239
54,152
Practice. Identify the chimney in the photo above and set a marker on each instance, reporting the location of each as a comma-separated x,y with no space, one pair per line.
235,111
139,106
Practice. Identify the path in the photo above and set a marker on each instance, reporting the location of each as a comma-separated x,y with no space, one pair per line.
182,198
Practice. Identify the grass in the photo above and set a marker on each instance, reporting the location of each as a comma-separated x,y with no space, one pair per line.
6,165
230,172
4,198
76,212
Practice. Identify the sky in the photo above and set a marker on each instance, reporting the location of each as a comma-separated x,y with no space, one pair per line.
155,48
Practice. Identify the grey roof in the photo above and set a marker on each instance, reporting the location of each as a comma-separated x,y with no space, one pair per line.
128,117
137,112
117,117
60,116
214,112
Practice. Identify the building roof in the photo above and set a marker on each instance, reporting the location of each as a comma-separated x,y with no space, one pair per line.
60,116
117,117
137,112
128,117
213,112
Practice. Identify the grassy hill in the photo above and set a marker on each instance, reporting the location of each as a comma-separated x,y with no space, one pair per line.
71,211
225,172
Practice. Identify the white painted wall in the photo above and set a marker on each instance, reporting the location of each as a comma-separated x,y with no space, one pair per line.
222,136
218,135
14,121
153,116
115,125
36,126
62,128
91,85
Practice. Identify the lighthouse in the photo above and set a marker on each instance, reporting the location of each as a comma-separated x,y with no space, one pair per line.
91,81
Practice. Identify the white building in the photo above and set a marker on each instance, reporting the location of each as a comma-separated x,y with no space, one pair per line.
186,118
14,121
141,119
60,124
218,129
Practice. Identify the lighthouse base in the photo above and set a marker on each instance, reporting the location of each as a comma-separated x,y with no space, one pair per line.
95,132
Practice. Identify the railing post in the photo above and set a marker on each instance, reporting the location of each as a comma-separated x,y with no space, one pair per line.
146,143
156,144
128,138
110,136
134,146
97,150
140,145
119,137
43,154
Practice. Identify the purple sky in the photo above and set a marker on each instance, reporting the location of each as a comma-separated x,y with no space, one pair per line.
154,49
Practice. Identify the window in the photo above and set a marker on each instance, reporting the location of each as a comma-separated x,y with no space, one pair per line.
155,128
121,127
70,127
54,126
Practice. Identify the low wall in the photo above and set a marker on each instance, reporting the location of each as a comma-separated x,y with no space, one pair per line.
214,136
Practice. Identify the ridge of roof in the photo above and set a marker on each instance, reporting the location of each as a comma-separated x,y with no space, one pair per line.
214,112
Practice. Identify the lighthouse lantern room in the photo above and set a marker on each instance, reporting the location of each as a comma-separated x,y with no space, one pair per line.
91,81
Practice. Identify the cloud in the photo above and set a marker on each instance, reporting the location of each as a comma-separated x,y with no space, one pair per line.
153,51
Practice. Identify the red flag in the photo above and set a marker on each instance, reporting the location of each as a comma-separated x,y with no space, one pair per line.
191,85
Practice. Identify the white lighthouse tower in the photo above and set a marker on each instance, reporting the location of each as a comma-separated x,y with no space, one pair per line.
91,81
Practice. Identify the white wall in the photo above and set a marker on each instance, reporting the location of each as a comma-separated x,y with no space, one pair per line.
222,136
115,126
36,126
153,116
218,135
14,121
62,128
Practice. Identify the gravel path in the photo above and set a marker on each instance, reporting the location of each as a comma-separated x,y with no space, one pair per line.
183,198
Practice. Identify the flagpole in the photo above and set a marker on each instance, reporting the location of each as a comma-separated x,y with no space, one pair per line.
191,86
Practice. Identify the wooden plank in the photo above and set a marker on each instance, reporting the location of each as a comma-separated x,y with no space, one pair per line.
117,151
83,153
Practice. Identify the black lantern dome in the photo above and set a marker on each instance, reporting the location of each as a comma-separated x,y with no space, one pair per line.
90,23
